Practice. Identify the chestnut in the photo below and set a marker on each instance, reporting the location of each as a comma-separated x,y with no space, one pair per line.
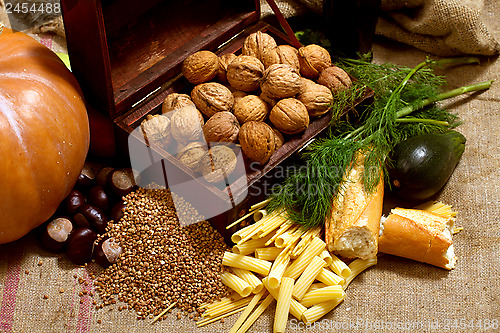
86,178
107,252
56,233
102,175
121,182
80,246
90,216
98,197
117,211
73,201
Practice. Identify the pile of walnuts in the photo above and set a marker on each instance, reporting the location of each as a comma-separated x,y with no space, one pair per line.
255,99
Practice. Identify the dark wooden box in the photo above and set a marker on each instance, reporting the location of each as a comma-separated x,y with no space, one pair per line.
127,56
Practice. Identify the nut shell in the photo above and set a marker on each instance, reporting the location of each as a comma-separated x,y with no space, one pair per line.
200,67
335,78
280,81
224,60
290,116
257,140
175,101
313,59
251,108
245,72
257,44
212,97
316,98
221,127
217,163
279,139
238,94
157,130
283,54
186,125
192,154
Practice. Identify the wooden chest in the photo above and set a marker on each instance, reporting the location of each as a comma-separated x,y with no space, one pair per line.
127,56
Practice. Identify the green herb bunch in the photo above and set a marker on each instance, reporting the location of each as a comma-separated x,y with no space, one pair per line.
403,106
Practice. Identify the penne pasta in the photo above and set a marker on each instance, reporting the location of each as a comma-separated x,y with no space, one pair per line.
326,256
267,253
315,286
250,245
283,305
307,277
357,266
339,267
238,235
283,228
250,278
247,311
237,284
296,309
319,310
256,314
329,278
297,267
328,293
278,268
245,262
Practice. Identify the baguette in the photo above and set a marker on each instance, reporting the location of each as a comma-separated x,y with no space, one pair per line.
353,227
418,235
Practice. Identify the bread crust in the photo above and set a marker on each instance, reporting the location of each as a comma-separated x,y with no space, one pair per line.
353,228
419,235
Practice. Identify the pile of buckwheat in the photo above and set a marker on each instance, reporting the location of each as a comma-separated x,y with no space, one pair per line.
162,263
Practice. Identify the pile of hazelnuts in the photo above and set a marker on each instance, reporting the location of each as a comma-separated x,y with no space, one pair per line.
84,214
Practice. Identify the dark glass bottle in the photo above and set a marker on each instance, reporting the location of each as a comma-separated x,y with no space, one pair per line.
350,25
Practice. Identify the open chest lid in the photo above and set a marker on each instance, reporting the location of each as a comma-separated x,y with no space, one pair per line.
122,50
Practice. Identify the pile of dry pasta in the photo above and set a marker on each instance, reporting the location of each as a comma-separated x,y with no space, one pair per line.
274,259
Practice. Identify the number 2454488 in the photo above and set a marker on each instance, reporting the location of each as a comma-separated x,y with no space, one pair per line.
25,7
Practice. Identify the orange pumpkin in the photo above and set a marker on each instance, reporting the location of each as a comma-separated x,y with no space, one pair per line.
44,134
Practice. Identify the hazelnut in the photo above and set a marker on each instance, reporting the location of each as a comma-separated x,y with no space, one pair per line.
80,246
107,252
200,67
55,234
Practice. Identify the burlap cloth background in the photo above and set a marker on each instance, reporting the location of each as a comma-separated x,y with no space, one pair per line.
396,295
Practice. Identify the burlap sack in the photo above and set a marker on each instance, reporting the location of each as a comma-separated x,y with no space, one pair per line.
441,27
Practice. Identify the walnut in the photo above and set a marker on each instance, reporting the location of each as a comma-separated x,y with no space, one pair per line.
192,154
245,72
289,116
200,67
279,139
238,94
219,162
335,78
266,98
251,108
156,129
186,124
257,44
283,54
313,59
175,101
257,140
221,127
224,60
280,81
316,98
212,97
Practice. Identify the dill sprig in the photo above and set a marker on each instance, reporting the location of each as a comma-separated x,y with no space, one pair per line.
403,106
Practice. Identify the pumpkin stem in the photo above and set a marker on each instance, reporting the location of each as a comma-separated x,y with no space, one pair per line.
1,27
